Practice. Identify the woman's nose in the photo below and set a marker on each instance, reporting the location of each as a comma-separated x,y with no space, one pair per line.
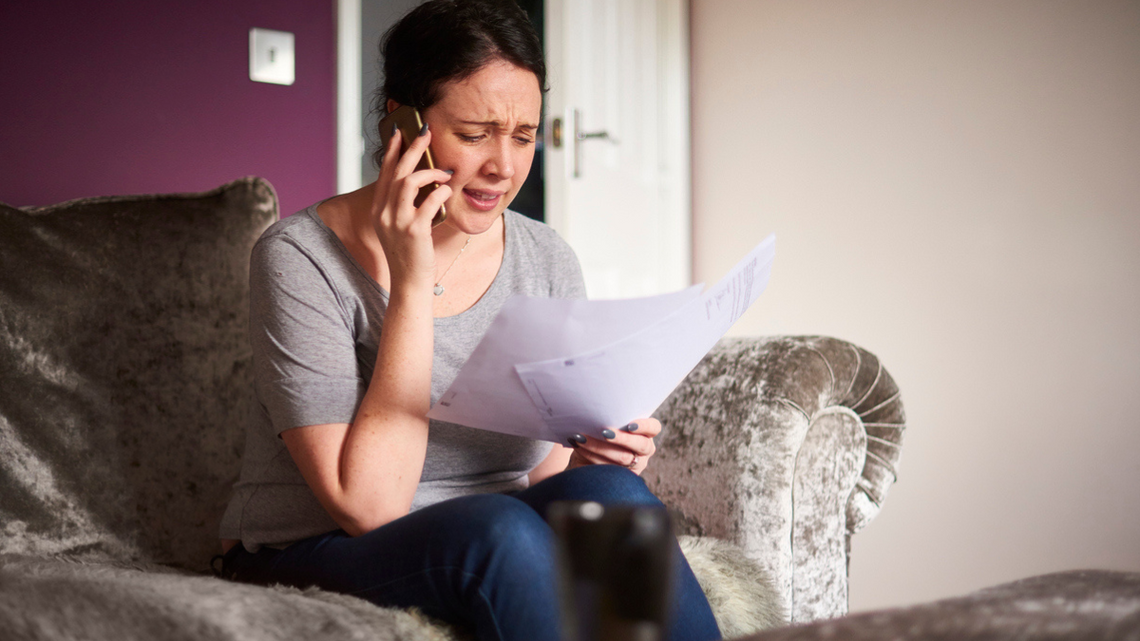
501,162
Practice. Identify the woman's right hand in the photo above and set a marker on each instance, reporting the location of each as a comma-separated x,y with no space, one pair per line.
403,229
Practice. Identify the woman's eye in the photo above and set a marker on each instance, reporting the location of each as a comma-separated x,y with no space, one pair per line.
523,141
470,137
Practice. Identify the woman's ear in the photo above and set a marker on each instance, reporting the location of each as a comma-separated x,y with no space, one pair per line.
392,105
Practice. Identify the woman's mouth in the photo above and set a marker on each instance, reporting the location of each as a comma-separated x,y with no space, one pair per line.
482,200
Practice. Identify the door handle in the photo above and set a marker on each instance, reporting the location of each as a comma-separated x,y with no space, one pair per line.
596,134
580,136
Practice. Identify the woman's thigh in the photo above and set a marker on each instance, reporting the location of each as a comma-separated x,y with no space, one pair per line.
475,560
485,561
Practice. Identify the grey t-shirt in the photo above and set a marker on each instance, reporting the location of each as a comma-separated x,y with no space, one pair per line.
315,322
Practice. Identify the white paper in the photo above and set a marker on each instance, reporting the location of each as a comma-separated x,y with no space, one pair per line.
548,369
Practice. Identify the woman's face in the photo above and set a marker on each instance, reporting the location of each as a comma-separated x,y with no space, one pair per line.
484,129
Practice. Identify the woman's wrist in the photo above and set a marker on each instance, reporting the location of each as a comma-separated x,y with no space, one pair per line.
411,290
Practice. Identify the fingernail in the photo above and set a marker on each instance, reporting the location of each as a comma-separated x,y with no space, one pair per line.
394,129
423,130
609,434
449,172
578,438
632,427
572,442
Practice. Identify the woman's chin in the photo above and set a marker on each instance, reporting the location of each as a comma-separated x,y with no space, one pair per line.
473,222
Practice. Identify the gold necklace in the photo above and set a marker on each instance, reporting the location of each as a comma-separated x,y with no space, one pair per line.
438,289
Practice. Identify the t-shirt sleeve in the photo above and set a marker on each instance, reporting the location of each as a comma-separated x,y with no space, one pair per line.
304,350
566,276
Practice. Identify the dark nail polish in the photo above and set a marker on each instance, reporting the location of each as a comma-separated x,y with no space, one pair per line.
395,128
609,434
632,427
572,442
579,438
423,130
449,172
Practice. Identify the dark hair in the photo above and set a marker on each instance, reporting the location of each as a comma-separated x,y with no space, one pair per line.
444,40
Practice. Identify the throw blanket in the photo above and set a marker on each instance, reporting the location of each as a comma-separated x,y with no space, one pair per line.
98,599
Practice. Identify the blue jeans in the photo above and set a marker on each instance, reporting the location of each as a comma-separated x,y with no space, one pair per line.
484,562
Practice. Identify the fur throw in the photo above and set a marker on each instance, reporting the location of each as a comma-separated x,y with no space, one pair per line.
65,598
743,596
94,599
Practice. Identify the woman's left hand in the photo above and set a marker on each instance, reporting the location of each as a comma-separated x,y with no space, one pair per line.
629,446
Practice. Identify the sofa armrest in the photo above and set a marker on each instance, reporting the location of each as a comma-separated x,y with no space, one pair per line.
785,446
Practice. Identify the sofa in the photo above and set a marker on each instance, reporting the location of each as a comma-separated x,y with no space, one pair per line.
125,374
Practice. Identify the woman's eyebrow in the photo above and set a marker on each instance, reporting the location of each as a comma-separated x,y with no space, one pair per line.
496,124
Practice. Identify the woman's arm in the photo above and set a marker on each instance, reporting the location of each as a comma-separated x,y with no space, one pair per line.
554,463
365,473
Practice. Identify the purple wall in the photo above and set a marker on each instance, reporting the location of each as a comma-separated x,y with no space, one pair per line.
139,96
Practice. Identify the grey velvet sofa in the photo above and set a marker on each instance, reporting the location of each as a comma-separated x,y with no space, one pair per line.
124,385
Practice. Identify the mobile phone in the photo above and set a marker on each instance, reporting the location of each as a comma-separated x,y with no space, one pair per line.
409,122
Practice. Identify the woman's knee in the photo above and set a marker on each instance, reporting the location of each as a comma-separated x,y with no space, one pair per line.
503,522
607,484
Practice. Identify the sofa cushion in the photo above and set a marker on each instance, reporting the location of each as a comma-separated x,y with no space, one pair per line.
1081,605
125,368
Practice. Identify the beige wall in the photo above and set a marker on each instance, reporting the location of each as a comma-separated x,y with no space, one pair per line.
955,186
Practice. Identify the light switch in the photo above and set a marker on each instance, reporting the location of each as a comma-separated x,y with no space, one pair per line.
271,56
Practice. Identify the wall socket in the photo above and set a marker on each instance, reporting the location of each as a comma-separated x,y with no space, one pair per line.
271,56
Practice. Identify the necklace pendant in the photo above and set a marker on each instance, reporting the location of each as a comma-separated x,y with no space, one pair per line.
438,289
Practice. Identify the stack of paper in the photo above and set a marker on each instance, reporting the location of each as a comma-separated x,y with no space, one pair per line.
548,369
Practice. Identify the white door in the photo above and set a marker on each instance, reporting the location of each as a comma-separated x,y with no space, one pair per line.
617,147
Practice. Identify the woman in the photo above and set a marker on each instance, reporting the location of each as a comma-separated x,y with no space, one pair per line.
362,314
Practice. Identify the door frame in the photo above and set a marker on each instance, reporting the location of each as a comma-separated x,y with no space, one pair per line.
674,245
349,113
